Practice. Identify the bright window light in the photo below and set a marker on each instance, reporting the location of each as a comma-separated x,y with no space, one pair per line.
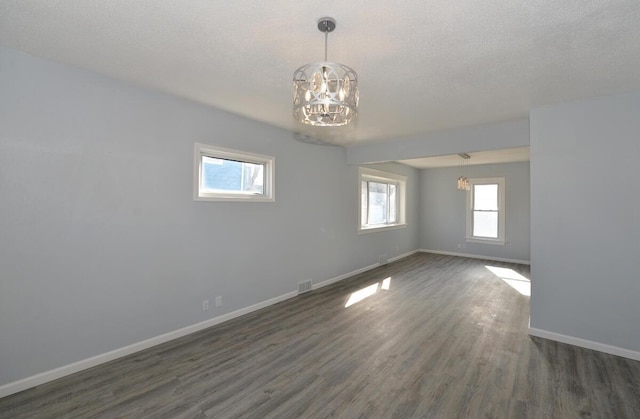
486,211
368,291
513,279
360,295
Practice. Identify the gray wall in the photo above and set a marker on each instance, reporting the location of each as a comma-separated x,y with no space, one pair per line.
101,243
443,210
585,220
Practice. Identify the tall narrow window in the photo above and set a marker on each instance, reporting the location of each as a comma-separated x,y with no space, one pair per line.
229,175
382,200
485,212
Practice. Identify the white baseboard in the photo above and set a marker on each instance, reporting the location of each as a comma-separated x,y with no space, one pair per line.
38,379
84,364
343,276
359,271
466,255
583,343
402,256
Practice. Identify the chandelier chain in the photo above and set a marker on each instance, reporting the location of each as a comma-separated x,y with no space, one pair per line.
326,38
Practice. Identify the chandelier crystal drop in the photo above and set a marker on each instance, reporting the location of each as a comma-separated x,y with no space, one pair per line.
463,183
325,94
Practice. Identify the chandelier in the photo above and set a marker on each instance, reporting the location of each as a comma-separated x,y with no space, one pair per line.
463,182
325,94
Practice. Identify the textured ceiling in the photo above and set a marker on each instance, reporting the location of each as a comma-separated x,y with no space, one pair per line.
424,66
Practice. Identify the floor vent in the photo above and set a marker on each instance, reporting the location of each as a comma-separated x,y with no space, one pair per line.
304,286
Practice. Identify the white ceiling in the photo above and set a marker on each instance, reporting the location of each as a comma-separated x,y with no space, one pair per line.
424,66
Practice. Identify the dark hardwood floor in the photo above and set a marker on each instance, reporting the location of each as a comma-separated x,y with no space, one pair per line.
448,339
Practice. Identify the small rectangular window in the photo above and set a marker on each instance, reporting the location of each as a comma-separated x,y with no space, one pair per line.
382,200
229,175
485,219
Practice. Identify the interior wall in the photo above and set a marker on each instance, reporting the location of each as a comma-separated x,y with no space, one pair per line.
101,242
585,220
443,211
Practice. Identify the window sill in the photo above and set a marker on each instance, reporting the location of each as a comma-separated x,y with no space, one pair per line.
496,242
234,198
365,230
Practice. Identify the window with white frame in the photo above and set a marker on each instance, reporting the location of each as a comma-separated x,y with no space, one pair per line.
486,211
382,200
222,174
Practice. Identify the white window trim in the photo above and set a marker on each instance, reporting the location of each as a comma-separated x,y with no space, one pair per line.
365,173
500,241
226,153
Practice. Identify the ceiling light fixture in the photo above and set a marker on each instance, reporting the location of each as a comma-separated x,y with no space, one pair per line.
325,94
463,182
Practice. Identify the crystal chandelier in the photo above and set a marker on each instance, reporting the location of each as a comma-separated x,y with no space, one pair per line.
463,182
325,94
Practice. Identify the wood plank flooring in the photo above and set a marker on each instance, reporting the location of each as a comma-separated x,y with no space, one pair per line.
448,339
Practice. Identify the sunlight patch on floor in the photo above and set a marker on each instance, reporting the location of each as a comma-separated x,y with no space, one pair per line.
368,291
513,279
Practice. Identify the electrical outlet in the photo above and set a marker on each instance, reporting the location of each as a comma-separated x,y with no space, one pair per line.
218,301
205,305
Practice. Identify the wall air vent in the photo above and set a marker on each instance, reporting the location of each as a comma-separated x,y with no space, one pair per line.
304,286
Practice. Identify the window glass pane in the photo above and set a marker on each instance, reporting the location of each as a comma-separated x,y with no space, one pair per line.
393,204
485,197
382,197
377,203
363,197
485,224
231,176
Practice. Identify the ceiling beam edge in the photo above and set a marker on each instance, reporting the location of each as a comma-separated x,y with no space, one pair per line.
509,134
